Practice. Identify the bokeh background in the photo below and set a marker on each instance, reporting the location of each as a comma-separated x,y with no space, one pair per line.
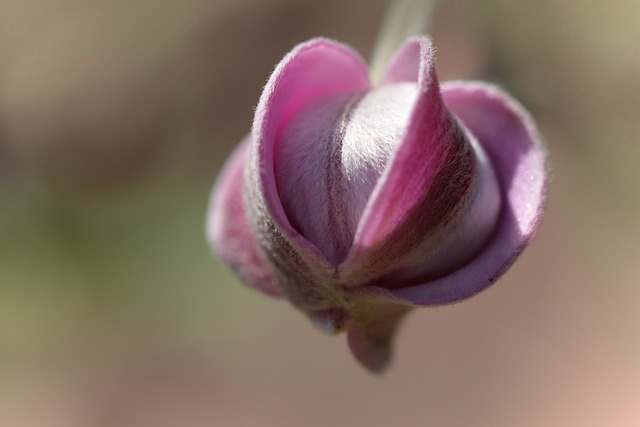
115,117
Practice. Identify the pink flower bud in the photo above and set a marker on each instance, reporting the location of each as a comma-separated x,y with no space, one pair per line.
357,203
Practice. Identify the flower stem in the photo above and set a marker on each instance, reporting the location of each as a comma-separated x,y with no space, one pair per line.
404,18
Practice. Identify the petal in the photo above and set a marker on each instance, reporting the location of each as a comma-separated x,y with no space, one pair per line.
312,70
228,231
414,57
426,184
511,140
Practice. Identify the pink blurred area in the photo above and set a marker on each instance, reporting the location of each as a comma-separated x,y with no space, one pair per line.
115,117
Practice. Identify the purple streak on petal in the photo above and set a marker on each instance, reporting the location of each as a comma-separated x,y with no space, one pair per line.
511,139
425,183
228,230
312,70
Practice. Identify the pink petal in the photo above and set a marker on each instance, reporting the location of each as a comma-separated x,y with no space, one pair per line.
312,70
511,139
413,58
425,182
228,231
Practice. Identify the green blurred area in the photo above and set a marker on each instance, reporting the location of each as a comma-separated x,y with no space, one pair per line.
115,117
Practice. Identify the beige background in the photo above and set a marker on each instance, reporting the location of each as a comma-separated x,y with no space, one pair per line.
115,117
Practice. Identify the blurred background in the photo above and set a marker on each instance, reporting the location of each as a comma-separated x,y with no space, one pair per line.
115,117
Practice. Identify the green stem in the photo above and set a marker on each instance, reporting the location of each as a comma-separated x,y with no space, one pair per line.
404,18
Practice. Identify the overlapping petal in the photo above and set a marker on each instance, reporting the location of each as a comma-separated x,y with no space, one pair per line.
228,229
312,70
509,136
426,184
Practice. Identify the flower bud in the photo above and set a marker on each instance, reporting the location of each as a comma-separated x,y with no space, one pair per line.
357,203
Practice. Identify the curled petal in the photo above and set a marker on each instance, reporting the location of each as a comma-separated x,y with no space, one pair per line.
426,186
312,70
508,135
228,230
